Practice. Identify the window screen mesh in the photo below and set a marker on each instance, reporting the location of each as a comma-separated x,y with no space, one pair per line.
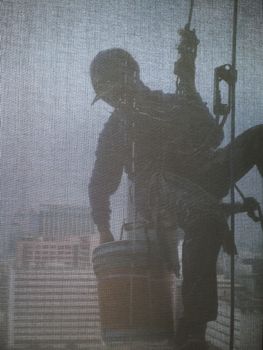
49,135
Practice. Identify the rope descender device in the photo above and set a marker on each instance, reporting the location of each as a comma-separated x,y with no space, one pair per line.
225,73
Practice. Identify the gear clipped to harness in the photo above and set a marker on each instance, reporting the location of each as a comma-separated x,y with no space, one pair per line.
184,67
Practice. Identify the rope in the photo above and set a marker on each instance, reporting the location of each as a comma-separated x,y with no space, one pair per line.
133,220
232,178
190,15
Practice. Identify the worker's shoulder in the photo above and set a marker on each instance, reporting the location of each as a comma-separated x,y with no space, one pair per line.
172,101
155,101
112,128
160,97
113,121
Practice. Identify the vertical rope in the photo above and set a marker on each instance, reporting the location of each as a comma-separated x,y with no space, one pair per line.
190,14
232,176
133,211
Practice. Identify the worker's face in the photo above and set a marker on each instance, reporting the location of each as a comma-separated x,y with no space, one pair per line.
112,94
116,92
119,94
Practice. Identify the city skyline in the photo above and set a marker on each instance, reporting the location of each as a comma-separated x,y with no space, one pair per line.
49,133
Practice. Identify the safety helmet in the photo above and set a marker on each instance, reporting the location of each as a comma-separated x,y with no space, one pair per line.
111,68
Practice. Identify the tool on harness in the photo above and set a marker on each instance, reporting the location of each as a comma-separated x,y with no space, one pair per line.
184,67
225,73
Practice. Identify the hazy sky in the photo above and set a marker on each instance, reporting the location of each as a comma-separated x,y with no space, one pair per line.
49,130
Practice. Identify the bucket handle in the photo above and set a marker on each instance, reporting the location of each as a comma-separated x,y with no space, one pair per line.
131,226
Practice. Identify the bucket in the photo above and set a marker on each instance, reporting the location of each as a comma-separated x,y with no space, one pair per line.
134,292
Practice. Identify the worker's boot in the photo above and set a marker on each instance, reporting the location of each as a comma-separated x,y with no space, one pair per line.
182,332
194,345
190,336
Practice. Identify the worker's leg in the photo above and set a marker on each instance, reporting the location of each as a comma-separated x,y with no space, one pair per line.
199,290
202,240
200,250
189,206
247,150
201,243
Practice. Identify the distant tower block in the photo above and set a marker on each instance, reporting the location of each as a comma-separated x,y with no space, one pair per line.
53,301
59,220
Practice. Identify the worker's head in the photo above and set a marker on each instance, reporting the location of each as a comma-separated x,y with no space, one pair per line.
114,75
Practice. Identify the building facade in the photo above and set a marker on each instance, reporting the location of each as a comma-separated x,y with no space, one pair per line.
53,302
248,309
56,221
67,252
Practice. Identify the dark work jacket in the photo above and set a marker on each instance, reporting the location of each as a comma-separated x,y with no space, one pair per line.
170,134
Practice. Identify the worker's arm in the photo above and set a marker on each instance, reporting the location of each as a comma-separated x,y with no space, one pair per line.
106,175
249,205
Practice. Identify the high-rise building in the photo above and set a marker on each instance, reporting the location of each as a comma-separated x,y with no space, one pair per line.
67,252
23,223
248,309
3,304
59,220
53,220
53,300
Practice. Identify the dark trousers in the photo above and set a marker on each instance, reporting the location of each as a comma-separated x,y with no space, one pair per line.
247,151
202,239
191,201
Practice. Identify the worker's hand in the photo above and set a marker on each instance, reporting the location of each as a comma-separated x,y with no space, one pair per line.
228,243
105,235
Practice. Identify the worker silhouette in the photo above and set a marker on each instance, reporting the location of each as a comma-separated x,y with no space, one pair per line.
169,147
